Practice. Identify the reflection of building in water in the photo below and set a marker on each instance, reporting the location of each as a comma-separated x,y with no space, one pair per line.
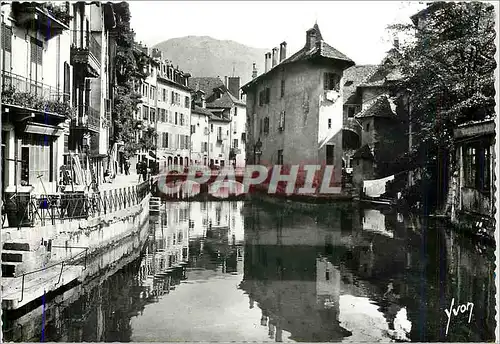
327,284
296,291
216,234
167,249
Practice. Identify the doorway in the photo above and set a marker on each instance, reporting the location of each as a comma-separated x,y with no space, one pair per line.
329,154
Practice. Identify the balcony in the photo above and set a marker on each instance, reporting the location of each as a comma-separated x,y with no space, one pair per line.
33,96
50,19
85,53
87,118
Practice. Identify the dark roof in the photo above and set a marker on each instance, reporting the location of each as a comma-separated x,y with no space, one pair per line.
431,7
353,77
319,50
363,153
202,111
379,108
208,85
219,117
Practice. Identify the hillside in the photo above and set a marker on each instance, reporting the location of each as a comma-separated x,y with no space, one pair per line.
206,56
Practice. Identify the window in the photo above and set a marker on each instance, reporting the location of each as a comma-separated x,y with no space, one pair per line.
261,126
219,134
477,167
7,47
175,119
268,95
235,111
193,128
145,112
331,82
172,100
243,137
164,94
235,143
261,98
36,60
351,111
211,127
367,126
152,115
266,125
182,119
152,92
282,88
186,102
281,124
280,157
329,123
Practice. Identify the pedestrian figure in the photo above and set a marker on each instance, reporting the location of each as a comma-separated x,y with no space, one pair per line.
127,167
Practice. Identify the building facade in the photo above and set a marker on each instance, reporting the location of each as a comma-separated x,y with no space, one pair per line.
200,130
37,92
92,92
224,101
294,109
165,109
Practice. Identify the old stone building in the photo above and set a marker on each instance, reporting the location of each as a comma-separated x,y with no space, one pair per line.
380,112
55,94
295,107
227,122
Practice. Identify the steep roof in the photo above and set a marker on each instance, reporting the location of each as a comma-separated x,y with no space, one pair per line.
202,111
353,77
319,50
380,107
208,85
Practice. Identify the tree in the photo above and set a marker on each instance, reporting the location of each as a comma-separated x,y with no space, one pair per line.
449,71
130,70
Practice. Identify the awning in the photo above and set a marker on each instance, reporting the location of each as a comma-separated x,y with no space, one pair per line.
43,129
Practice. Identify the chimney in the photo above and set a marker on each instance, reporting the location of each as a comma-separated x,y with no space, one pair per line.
254,71
275,56
396,42
268,58
282,51
202,96
310,38
234,86
225,81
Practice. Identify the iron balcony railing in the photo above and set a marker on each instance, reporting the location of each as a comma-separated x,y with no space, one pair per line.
83,40
25,84
51,209
87,117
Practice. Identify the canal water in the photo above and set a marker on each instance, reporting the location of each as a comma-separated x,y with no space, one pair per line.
242,271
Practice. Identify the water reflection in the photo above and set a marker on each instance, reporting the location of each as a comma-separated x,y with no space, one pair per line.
223,271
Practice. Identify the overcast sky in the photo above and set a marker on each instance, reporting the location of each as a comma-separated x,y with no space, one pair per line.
356,28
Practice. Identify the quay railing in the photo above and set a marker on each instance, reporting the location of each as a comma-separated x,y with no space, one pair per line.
27,85
51,209
69,261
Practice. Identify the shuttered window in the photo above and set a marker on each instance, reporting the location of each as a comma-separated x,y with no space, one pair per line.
7,38
36,51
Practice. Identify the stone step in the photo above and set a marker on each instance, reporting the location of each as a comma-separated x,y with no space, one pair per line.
13,256
9,269
16,246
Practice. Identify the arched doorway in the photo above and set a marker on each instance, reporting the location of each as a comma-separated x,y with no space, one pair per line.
169,163
176,162
181,161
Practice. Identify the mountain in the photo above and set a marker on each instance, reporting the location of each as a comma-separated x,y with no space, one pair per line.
207,56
